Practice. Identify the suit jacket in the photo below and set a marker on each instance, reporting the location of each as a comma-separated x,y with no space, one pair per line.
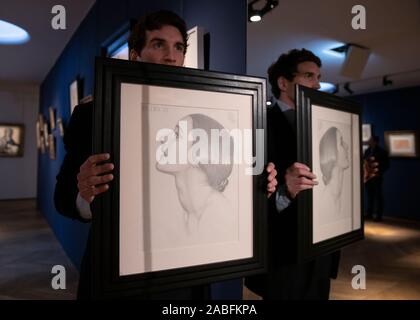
285,278
78,145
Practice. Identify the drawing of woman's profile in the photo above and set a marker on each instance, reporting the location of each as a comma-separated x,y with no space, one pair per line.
200,185
334,159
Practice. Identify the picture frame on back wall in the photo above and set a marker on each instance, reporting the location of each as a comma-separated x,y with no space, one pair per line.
402,144
11,139
60,126
329,142
366,132
74,93
51,146
51,112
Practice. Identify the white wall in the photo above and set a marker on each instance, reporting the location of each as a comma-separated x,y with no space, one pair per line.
18,176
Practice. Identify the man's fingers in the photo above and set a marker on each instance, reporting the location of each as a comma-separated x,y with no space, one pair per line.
89,193
305,173
101,189
272,175
95,180
307,182
272,185
305,187
101,169
86,172
96,158
270,167
299,165
302,173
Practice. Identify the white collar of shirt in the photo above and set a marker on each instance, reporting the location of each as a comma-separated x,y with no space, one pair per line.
283,106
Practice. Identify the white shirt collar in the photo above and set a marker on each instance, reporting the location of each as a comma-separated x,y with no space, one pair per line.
283,106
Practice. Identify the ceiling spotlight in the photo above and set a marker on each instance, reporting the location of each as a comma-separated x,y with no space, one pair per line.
12,34
386,81
255,15
347,88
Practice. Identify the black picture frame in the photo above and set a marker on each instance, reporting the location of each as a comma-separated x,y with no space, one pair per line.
311,241
111,76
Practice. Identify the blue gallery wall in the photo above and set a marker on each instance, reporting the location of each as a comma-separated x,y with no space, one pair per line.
226,22
392,111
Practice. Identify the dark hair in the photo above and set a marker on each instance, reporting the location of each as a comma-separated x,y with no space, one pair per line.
155,21
286,66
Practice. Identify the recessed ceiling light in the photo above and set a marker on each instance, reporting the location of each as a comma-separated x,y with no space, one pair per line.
12,34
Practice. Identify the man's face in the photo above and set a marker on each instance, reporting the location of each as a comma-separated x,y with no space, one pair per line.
308,74
164,46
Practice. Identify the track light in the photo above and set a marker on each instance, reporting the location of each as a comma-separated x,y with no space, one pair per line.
386,81
347,88
255,15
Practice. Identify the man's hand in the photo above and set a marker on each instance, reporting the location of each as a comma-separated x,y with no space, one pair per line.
299,177
92,178
271,179
370,169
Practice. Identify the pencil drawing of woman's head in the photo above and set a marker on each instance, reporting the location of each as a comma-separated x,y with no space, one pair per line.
333,153
201,180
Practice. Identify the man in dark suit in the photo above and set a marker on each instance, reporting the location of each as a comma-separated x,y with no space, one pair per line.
285,278
374,193
160,37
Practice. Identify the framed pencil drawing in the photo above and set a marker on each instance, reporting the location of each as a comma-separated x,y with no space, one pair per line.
183,143
402,144
329,142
